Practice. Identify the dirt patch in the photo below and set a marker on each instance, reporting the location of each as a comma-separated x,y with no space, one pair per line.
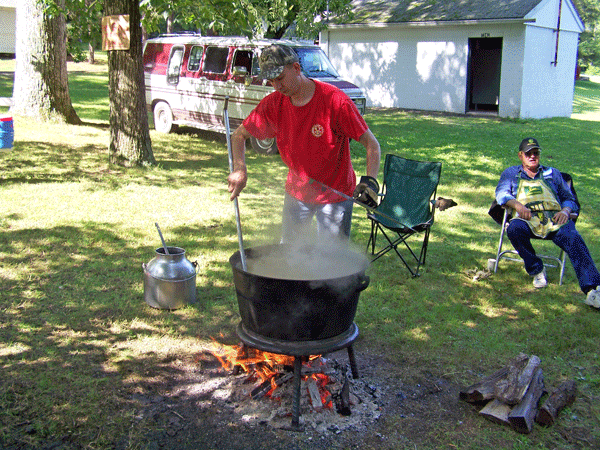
197,410
185,404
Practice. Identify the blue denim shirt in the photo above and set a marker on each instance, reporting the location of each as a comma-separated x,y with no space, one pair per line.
509,182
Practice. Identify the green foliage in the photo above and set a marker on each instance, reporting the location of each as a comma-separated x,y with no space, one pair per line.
77,53
83,23
253,18
589,40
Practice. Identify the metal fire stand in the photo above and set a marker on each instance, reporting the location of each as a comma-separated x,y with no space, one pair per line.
299,349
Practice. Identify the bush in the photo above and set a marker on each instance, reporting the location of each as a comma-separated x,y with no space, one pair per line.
75,52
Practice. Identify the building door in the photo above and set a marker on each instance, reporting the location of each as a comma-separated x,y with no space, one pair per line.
485,59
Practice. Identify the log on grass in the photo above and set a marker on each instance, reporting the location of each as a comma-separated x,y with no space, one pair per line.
522,416
512,389
484,389
560,398
497,412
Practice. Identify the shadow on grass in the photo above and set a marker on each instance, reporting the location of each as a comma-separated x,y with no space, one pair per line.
178,165
68,319
81,349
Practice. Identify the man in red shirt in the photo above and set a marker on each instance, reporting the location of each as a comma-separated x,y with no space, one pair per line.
313,123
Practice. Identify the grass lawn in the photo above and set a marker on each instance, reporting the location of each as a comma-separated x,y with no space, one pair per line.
586,103
78,343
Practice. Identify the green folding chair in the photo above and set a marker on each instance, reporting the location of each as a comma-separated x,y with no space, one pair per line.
406,209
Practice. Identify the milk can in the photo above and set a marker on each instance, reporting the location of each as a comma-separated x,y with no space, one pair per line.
169,279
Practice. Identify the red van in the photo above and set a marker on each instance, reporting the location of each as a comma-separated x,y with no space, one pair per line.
188,77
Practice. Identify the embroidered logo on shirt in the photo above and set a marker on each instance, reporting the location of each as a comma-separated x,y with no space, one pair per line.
317,130
533,190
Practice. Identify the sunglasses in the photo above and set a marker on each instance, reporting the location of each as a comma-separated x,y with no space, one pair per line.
535,153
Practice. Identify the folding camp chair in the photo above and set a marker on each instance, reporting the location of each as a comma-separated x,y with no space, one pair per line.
502,216
406,208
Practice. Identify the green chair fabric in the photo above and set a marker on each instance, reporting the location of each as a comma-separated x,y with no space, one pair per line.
406,208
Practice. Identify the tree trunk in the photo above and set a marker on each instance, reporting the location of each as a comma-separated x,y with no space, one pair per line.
91,54
130,143
90,32
170,20
41,89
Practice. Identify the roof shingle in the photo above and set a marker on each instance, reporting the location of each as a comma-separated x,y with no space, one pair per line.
398,11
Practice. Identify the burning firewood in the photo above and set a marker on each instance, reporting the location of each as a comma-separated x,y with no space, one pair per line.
268,385
261,390
314,394
318,365
345,398
267,372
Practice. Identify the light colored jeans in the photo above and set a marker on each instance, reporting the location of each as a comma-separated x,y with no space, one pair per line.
333,219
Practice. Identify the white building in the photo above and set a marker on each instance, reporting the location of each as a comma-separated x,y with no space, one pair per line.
8,17
505,58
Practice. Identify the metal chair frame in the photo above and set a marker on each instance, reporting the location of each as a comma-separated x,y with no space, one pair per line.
549,260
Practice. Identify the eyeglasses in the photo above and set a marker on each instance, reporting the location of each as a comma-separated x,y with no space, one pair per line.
534,153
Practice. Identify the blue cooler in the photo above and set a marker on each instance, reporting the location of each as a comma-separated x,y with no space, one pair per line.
7,133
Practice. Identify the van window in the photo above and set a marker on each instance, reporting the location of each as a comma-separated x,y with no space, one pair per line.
314,62
255,65
195,58
174,65
215,60
243,58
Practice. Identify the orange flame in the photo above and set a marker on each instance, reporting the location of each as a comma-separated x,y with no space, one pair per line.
265,365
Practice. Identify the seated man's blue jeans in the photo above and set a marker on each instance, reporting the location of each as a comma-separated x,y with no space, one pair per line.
568,239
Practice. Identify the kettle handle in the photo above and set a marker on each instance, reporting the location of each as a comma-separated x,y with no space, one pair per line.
364,283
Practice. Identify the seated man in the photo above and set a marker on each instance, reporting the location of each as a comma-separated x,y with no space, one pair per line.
541,203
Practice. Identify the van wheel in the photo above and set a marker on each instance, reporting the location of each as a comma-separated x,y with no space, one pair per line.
163,118
264,146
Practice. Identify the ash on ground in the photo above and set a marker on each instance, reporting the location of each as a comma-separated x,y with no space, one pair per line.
224,390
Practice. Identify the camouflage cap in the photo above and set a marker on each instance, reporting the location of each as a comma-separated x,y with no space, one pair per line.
274,58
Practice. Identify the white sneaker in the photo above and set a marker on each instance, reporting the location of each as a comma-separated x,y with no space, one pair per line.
593,298
539,280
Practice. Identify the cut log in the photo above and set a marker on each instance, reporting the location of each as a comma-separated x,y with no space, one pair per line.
344,409
268,385
522,416
560,398
314,395
261,390
497,412
511,390
483,390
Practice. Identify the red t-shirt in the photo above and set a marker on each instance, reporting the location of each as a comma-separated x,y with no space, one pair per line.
313,140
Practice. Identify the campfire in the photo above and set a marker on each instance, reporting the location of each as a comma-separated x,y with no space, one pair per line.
325,383
286,320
